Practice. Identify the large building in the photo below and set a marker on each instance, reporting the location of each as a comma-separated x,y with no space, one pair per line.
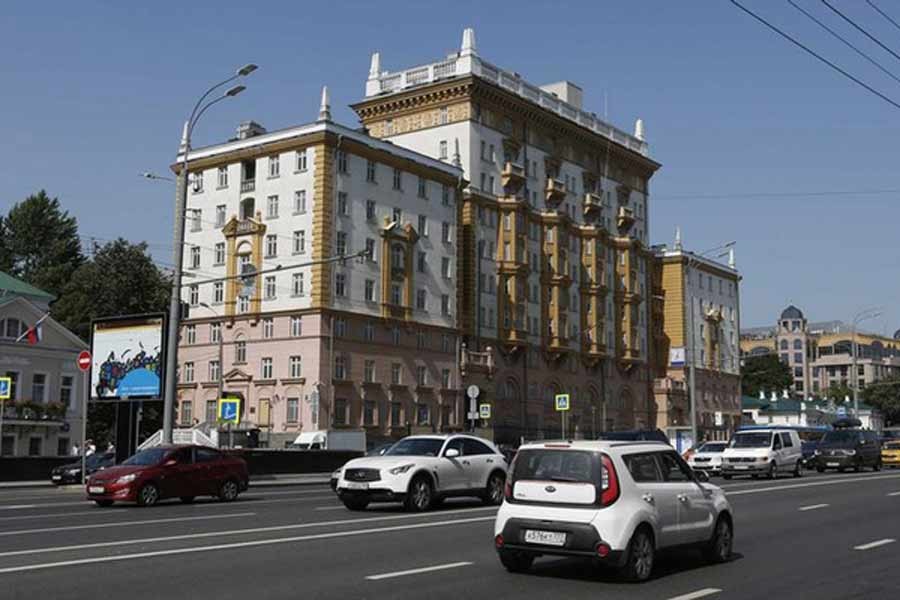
555,261
42,417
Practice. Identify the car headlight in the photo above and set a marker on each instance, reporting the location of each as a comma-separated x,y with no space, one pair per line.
849,452
817,452
126,478
400,469
73,471
762,459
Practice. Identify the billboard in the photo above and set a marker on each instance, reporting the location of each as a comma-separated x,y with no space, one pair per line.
127,357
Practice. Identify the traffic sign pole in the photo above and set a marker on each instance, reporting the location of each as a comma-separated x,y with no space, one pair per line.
84,363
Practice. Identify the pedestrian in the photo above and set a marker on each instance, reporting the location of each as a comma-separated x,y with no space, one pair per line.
110,448
76,451
89,447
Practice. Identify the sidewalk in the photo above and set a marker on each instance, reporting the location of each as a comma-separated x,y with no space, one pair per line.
282,479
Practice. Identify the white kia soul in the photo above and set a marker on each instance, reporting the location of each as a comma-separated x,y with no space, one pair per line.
617,503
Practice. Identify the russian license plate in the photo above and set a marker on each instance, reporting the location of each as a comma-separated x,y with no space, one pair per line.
356,485
832,464
740,467
56,477
548,538
96,489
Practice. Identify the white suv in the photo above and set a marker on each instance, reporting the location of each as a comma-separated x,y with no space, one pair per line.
420,470
763,451
614,502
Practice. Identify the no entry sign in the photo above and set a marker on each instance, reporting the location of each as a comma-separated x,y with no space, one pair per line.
84,361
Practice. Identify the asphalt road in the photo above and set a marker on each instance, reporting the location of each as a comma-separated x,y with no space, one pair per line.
822,536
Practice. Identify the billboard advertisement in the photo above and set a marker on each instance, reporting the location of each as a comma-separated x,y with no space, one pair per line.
127,357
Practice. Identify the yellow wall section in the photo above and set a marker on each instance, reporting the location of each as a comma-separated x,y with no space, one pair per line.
322,224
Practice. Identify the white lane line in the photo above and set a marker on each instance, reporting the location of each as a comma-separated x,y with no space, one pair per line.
894,494
330,508
874,544
211,534
812,507
125,523
417,571
20,506
698,594
96,512
253,499
251,544
806,485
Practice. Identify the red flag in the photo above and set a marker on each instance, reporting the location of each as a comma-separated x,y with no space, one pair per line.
34,334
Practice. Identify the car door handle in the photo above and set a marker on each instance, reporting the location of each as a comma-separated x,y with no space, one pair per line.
465,462
648,498
682,498
490,461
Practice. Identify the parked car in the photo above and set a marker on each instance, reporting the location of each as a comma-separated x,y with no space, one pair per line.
71,473
708,457
183,472
635,435
890,454
420,470
844,449
615,503
763,452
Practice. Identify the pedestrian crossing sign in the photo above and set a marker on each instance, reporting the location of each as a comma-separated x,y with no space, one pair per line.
484,411
562,402
5,388
230,410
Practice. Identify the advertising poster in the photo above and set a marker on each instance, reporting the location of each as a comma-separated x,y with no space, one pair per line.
127,358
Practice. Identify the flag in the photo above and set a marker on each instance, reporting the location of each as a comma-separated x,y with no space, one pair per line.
35,333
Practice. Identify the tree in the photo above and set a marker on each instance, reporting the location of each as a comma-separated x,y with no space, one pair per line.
764,372
121,279
885,396
839,392
40,243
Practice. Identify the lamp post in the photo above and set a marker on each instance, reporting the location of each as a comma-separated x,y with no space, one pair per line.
869,313
178,246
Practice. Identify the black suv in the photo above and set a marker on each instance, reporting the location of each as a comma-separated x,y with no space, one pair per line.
843,449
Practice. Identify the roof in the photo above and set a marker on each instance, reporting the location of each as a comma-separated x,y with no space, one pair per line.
594,445
897,335
792,312
17,287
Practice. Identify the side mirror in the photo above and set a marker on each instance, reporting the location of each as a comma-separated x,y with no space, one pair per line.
451,453
701,476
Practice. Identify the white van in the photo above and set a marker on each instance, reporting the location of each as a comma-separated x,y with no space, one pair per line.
763,452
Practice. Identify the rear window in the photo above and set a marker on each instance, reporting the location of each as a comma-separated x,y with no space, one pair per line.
557,465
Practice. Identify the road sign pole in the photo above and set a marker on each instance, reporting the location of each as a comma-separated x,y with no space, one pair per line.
84,417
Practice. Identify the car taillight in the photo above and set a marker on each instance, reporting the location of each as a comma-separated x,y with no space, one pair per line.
498,541
609,482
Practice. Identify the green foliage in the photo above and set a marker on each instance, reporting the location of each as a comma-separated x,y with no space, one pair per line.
885,396
839,392
40,243
764,372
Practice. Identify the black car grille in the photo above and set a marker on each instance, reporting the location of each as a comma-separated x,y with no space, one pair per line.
700,459
362,475
742,459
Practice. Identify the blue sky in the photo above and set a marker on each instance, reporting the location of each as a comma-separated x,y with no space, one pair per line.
94,93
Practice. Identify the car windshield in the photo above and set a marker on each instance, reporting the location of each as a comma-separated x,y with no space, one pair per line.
555,465
893,444
751,440
713,447
840,437
95,460
811,436
416,447
152,456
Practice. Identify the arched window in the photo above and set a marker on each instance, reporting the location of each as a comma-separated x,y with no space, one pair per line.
248,206
798,344
784,344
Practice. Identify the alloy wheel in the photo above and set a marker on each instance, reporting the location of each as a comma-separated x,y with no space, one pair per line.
495,489
149,495
643,556
229,491
723,540
421,494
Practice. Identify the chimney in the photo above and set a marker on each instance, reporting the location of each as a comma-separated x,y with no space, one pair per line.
639,129
249,129
325,107
468,42
375,66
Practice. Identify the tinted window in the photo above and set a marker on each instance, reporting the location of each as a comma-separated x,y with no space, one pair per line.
557,465
184,456
206,455
673,468
751,440
786,440
777,443
474,447
152,456
841,436
713,447
643,468
455,444
416,447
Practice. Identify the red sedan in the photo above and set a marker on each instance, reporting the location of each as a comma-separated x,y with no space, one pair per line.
183,472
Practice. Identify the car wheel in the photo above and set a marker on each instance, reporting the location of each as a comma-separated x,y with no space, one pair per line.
773,471
798,470
726,477
877,466
493,495
148,495
355,503
187,499
639,557
420,495
820,469
516,562
228,492
104,503
719,548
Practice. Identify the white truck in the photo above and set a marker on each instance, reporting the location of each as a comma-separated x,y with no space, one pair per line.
337,439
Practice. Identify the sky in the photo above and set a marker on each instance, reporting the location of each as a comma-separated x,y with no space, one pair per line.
759,142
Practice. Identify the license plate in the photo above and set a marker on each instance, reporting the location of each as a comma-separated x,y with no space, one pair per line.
56,477
832,464
356,485
741,467
96,489
548,538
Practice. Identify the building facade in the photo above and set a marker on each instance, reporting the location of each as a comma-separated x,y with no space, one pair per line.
553,247
43,416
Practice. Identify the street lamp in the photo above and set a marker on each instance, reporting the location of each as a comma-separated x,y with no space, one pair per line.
863,315
693,261
178,246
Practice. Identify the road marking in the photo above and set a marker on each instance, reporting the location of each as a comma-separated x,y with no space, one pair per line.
19,506
894,494
330,508
874,544
812,507
210,534
253,499
124,523
698,594
417,571
794,486
231,546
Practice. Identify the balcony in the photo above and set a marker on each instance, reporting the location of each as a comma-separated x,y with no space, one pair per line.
471,361
557,346
512,177
555,192
395,311
514,337
248,185
593,204
624,219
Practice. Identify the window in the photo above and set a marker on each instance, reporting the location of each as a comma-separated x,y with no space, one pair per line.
445,267
369,412
420,299
220,216
798,345
421,340
298,287
219,254
483,150
784,344
240,352
445,379
197,182
340,367
196,219
370,249
190,334
398,179
445,343
340,328
422,261
422,189
445,195
370,210
268,328
798,357
421,375
674,469
396,296
445,232
211,411
292,410
269,286
271,246
340,411
341,244
342,204
187,412
218,292
445,305
35,446
422,414
266,368
342,161
301,160
296,327
370,290
300,202
272,207
443,116
786,440
299,240
295,365
214,370
66,387
397,215
396,373
395,335
274,166
396,412
423,225
187,375
369,331
442,149
643,468
38,387
370,171
215,332
340,285
798,371
369,371
194,295
222,179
